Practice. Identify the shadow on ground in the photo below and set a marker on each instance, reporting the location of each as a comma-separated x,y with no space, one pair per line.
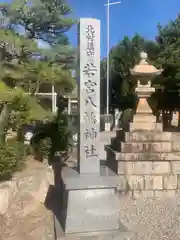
54,196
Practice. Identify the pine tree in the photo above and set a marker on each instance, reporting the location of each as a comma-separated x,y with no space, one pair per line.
46,20
19,70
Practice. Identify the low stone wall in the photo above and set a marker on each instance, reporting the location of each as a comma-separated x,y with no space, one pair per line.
7,190
34,183
147,162
149,179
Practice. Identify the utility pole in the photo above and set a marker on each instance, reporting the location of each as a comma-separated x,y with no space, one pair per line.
107,124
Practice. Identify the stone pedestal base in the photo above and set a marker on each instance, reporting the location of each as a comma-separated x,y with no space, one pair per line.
148,126
90,207
146,118
147,162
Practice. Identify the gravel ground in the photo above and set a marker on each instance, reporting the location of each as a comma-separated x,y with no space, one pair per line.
147,219
151,219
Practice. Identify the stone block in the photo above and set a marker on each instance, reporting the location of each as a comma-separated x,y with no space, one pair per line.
146,118
165,193
112,154
161,168
178,181
148,156
136,182
116,144
149,167
121,167
176,145
153,182
7,190
178,192
170,182
90,204
122,185
146,147
146,126
143,194
111,158
120,234
5,195
147,136
129,193
175,166
138,168
91,210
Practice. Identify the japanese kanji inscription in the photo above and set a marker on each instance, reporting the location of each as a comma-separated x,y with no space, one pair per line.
89,94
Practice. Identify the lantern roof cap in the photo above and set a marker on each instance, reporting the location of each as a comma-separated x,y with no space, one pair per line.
144,68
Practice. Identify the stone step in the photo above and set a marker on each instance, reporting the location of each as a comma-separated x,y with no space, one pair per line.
145,126
146,118
111,153
115,144
147,156
143,136
150,156
145,147
121,234
111,158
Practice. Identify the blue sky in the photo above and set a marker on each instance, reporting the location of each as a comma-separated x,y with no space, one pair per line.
127,18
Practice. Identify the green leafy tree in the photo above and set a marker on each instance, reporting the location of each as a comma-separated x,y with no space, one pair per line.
162,53
46,20
168,83
15,50
54,139
19,71
123,57
169,55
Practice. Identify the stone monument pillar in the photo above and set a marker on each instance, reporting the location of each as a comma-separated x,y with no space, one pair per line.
89,96
90,206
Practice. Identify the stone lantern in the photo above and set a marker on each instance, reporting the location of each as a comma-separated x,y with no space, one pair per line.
145,158
143,73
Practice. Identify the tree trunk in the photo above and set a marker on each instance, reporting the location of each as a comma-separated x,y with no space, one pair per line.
4,115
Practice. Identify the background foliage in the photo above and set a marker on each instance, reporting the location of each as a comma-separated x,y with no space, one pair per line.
25,69
162,52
